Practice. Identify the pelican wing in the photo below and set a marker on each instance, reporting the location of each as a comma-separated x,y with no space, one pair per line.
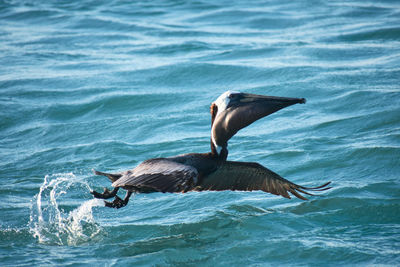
161,175
248,176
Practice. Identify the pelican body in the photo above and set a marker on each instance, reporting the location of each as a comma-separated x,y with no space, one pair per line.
231,112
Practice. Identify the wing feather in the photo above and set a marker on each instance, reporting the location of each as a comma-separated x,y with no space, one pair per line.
161,175
249,176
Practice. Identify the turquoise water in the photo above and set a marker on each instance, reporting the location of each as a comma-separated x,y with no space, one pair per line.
108,84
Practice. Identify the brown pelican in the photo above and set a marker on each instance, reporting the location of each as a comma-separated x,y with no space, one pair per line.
231,112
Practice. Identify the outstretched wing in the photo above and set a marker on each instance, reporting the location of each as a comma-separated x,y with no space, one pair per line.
248,176
160,175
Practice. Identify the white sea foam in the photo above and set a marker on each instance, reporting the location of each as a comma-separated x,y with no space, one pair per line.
52,223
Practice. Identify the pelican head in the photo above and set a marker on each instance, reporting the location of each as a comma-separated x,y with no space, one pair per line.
233,111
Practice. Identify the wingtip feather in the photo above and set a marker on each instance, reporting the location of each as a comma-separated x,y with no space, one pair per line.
303,189
317,188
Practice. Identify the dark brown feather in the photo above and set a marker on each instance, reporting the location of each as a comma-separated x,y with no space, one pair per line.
248,176
161,174
112,176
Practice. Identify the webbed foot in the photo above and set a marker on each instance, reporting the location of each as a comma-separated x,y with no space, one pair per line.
106,193
118,202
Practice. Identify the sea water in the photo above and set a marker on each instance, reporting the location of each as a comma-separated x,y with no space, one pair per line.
108,84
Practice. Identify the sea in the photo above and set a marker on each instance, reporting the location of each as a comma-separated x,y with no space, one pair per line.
106,85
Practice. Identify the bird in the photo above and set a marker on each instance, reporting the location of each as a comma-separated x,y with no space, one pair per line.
211,171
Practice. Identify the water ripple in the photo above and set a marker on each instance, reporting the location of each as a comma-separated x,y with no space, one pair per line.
107,84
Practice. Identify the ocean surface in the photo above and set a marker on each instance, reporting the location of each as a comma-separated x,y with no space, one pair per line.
108,84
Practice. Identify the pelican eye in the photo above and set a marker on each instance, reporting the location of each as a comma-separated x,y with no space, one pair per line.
233,96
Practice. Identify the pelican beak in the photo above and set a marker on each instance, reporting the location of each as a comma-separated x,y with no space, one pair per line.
245,98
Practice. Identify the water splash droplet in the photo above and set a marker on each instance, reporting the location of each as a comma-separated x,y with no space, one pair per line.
53,218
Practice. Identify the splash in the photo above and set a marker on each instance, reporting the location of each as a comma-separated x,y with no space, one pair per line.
53,218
